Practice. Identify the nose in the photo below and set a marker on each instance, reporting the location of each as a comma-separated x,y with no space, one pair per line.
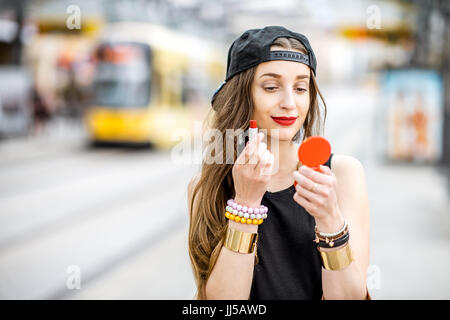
288,101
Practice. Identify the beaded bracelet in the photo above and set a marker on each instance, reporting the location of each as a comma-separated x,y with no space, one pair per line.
257,214
331,240
244,214
324,234
336,236
242,220
233,205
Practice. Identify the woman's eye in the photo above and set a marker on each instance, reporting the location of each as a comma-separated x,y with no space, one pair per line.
274,88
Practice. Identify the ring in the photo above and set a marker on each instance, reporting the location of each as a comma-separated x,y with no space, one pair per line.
314,187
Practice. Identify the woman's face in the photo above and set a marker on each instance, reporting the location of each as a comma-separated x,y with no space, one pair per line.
281,89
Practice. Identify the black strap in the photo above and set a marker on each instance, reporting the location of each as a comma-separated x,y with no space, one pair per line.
336,243
289,55
328,163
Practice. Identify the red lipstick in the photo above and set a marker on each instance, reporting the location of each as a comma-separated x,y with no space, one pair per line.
285,121
253,131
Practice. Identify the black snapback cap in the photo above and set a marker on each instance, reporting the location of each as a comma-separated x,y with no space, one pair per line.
253,48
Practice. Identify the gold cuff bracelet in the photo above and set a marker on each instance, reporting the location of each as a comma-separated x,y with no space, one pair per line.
239,241
337,259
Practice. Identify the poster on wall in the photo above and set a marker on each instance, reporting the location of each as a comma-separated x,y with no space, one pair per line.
413,100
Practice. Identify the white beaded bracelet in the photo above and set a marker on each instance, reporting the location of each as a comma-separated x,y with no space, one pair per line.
260,213
327,235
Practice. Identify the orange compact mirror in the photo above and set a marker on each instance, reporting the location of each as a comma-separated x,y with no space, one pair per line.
313,152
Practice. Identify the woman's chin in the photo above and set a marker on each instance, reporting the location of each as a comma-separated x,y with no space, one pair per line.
281,136
281,132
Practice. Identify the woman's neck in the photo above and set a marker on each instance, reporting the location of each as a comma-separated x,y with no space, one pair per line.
285,156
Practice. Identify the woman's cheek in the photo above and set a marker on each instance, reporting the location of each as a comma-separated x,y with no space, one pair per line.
265,105
304,107
303,100
261,99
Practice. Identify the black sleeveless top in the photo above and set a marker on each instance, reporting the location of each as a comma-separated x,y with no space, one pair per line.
289,266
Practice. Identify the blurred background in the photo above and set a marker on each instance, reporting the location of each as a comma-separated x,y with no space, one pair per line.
101,102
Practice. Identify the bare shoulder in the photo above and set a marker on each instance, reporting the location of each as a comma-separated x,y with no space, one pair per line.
344,165
351,181
353,200
350,178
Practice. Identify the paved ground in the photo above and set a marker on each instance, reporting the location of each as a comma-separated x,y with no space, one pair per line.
63,204
119,216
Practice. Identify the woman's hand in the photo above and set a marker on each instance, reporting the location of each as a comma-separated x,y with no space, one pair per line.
252,171
316,192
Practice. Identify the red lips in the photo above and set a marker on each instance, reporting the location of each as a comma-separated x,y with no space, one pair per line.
285,121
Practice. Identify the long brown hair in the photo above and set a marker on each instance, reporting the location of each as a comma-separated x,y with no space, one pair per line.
215,185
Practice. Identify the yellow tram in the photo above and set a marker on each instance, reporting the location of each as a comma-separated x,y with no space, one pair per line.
151,84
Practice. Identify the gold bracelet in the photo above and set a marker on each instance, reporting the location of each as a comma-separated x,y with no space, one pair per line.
239,241
337,259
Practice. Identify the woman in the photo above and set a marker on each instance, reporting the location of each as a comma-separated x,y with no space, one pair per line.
271,74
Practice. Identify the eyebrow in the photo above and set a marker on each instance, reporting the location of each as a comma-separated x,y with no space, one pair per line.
275,75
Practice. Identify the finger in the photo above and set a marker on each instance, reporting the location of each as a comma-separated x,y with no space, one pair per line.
305,193
244,157
262,148
314,175
268,167
326,170
253,145
304,203
254,150
257,154
308,184
264,159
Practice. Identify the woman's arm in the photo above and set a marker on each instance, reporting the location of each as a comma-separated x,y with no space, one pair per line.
232,275
340,194
351,282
